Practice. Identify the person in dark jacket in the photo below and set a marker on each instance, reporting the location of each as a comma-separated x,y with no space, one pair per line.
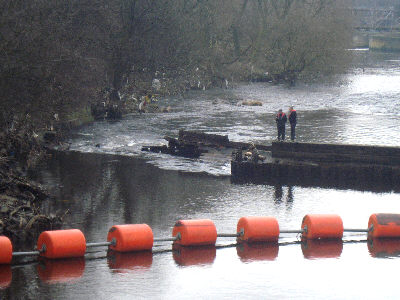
293,122
281,123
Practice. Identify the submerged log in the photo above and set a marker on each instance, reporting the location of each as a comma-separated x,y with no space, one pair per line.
215,140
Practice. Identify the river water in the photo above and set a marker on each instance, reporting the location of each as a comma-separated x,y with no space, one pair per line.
106,180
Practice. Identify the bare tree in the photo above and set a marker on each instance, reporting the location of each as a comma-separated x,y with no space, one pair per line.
305,37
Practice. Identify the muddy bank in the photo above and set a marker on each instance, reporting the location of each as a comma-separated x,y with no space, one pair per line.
21,218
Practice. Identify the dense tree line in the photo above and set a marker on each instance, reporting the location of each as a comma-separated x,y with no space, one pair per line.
58,56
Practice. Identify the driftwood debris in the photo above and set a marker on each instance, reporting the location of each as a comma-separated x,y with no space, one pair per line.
193,143
21,218
177,148
20,215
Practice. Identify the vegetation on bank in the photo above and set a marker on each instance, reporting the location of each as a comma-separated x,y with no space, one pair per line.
59,57
21,217
60,60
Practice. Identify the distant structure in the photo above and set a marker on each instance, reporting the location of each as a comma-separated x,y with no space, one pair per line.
376,24
376,15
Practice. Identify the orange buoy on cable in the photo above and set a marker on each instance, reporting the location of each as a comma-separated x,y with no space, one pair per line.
130,237
195,232
121,262
61,270
313,249
62,243
322,226
384,225
5,250
258,229
257,251
194,256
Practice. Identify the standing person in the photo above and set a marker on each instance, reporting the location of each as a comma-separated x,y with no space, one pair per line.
281,123
293,122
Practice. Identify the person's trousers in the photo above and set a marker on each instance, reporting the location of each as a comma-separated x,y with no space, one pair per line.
281,133
292,131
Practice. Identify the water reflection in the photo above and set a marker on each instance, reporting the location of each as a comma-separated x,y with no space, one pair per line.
316,249
290,197
374,183
126,262
257,251
194,256
123,190
384,247
5,276
53,271
278,193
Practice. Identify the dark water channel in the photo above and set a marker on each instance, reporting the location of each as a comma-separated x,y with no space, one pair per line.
117,184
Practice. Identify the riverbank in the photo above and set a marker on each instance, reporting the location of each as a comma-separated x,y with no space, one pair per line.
21,216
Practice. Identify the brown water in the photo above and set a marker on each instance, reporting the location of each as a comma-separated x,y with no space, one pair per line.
117,184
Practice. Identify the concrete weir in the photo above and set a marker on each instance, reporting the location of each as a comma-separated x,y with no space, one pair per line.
375,168
385,42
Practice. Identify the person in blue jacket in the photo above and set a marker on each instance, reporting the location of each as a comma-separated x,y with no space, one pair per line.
280,124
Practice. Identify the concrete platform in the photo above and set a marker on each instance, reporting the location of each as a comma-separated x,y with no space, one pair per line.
360,167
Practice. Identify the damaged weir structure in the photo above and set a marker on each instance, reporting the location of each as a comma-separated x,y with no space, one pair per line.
318,164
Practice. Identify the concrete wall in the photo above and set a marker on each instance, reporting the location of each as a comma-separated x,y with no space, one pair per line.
385,42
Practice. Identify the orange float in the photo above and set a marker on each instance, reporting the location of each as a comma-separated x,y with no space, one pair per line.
258,229
195,232
121,262
194,256
257,251
62,243
130,237
322,226
384,247
313,249
61,270
384,225
5,250
5,276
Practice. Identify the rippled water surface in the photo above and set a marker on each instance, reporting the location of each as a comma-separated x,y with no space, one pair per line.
118,184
